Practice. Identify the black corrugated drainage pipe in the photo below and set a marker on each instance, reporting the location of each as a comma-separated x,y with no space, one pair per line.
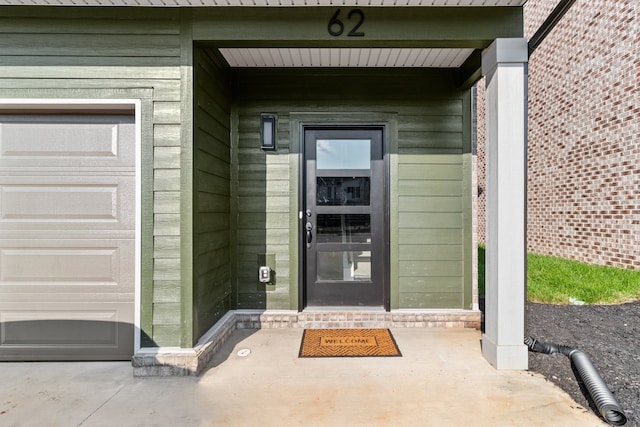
606,403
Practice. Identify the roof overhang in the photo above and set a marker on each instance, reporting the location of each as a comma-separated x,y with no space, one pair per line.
294,33
270,3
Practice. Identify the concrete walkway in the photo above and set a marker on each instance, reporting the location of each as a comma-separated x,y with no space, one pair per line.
441,380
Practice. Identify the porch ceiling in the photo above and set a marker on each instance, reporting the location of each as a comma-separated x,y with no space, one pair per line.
258,3
345,57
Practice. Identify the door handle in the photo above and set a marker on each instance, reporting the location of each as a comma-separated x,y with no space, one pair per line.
309,227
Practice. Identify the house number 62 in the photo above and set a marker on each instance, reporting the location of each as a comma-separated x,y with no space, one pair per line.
336,27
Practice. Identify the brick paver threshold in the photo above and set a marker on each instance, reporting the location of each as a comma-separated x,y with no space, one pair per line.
348,343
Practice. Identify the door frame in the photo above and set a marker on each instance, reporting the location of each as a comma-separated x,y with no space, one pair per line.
333,121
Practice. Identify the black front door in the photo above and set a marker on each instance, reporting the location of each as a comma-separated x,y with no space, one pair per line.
343,224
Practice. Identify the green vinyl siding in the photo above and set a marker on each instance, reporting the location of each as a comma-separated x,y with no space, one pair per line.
212,293
429,201
263,212
78,53
432,215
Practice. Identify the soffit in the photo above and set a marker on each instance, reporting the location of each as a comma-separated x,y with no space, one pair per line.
345,57
274,3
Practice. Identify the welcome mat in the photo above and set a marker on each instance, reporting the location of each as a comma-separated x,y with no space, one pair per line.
348,343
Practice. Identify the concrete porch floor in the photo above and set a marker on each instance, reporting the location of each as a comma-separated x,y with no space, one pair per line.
441,379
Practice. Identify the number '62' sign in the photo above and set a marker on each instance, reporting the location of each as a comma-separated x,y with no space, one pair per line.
355,19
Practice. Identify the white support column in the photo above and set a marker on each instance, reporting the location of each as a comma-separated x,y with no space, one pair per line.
504,64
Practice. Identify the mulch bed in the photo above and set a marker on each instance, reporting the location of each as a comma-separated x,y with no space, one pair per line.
608,334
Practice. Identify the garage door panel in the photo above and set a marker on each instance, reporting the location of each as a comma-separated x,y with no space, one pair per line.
67,202
67,236
66,141
37,299
68,331
60,265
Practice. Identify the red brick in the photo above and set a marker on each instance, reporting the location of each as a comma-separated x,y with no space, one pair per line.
584,123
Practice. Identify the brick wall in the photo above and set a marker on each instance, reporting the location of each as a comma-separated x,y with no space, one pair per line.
584,134
481,164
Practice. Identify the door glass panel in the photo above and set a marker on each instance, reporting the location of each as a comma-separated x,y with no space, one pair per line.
341,228
343,225
336,191
350,266
343,153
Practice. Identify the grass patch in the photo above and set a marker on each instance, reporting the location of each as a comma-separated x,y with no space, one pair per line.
556,280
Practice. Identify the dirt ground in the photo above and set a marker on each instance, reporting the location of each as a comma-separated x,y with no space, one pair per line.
608,334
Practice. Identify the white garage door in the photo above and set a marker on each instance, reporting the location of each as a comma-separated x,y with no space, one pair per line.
67,236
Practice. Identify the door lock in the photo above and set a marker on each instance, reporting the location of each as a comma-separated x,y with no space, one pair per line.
309,227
